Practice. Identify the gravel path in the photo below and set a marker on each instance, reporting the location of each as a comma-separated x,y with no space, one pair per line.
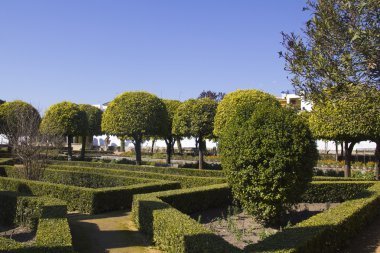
111,232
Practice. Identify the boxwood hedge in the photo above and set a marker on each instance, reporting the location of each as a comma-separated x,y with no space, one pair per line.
86,200
78,178
186,181
161,170
162,216
53,232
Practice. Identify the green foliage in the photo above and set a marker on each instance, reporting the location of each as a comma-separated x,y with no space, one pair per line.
88,179
64,118
240,103
94,119
91,200
8,111
173,231
160,170
268,160
185,181
338,47
195,118
134,114
171,108
47,215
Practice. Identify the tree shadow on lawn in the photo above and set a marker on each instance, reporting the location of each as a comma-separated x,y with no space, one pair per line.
107,232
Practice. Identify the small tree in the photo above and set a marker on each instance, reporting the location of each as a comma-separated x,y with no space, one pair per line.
65,119
240,102
20,124
94,121
195,118
169,137
135,114
268,160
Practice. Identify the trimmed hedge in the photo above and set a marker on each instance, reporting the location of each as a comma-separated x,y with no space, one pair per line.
78,178
53,232
324,178
186,181
161,170
174,231
86,200
162,216
6,161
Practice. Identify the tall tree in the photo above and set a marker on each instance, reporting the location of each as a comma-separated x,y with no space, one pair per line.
195,118
339,47
66,119
94,121
170,137
217,96
135,114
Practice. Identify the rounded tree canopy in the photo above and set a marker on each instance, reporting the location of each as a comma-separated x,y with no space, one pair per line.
64,118
134,114
10,113
268,160
195,117
171,108
352,115
94,119
241,104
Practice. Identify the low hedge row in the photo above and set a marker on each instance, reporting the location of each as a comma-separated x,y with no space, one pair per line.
6,161
173,231
78,178
86,200
53,232
162,216
186,181
161,170
324,178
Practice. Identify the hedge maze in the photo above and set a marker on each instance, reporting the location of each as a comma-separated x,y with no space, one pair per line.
162,200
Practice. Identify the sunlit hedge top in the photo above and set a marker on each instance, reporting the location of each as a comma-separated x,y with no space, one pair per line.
240,103
135,113
64,118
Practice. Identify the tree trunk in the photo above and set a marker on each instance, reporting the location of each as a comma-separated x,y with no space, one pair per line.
348,147
69,148
336,151
122,145
83,150
152,148
138,150
169,146
200,152
341,150
179,145
377,160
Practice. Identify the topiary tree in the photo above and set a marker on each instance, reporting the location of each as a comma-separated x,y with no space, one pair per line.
268,160
66,119
135,114
240,101
195,118
350,116
94,123
170,137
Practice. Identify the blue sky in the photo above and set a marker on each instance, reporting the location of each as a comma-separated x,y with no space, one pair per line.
90,51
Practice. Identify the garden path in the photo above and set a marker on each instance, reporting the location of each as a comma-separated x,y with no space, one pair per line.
112,232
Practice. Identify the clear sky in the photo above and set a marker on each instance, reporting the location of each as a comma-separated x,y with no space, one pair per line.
90,51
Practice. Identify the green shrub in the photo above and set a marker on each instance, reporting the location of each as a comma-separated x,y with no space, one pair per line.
47,215
78,178
172,230
186,181
85,200
161,170
268,160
